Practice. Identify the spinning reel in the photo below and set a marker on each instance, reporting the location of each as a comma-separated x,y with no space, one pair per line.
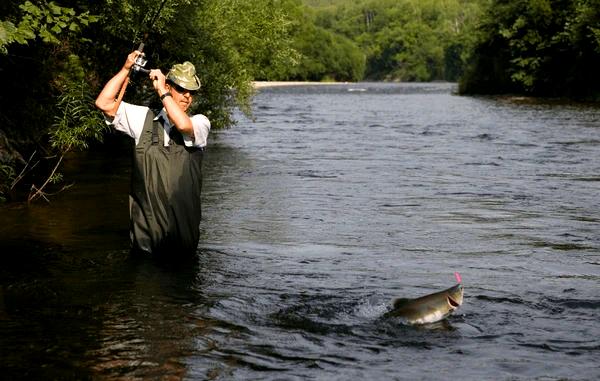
140,62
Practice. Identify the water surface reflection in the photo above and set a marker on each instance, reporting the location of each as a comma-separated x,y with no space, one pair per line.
331,203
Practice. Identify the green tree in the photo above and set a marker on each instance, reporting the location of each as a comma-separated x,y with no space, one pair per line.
235,42
406,40
35,43
326,56
541,47
320,54
46,21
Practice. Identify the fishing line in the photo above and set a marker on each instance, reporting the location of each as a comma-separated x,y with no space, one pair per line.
140,48
149,27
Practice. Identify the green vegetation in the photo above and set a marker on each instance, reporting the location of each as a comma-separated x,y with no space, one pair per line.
56,55
322,54
394,40
539,47
406,40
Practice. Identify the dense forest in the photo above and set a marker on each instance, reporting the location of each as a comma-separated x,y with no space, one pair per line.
536,47
393,40
55,56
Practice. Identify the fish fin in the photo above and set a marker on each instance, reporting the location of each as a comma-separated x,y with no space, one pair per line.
400,302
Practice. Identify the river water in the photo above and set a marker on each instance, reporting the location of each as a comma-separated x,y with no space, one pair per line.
331,202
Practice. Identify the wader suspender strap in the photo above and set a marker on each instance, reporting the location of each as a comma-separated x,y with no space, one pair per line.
155,139
150,134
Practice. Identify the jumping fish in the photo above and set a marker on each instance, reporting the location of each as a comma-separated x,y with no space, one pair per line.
429,308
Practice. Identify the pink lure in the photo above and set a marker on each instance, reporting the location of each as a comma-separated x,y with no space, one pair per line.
458,278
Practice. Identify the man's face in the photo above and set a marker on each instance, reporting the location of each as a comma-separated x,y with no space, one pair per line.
182,96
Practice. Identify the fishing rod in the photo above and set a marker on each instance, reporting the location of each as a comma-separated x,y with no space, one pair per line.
140,60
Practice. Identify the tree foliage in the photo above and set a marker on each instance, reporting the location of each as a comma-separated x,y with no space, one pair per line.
407,40
541,47
46,21
235,42
324,55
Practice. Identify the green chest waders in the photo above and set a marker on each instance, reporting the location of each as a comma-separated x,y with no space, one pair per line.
166,183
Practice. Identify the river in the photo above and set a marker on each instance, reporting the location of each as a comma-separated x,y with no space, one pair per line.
329,203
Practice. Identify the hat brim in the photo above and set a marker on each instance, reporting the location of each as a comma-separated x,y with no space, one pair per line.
192,86
188,85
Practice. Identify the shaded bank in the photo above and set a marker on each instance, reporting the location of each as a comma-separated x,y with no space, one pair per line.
268,84
546,48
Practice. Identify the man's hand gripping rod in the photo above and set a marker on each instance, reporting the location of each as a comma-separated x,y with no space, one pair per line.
140,61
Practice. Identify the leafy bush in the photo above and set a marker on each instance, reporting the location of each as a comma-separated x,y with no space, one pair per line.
540,47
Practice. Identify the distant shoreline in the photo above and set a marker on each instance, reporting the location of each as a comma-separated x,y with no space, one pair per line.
266,84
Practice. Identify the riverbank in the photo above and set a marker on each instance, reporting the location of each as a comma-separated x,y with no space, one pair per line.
266,84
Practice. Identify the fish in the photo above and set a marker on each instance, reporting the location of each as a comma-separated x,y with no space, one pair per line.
429,308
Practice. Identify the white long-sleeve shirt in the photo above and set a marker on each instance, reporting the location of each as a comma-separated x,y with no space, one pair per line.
130,120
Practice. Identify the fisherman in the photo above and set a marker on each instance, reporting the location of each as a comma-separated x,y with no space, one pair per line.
166,178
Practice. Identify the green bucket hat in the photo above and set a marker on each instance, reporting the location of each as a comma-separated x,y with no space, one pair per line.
184,75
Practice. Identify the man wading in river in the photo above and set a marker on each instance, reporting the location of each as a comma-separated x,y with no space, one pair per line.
166,176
